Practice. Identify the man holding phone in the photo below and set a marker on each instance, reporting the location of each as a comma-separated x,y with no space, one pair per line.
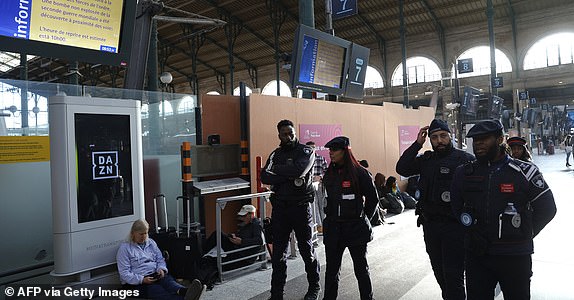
248,232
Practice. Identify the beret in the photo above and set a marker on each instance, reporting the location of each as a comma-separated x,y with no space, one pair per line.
340,142
516,140
437,125
485,127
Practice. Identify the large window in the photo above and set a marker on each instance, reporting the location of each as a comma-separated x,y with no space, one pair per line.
419,69
186,105
553,50
373,78
271,88
247,91
481,61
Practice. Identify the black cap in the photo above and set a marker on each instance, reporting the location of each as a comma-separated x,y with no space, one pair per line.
485,127
437,125
340,142
516,140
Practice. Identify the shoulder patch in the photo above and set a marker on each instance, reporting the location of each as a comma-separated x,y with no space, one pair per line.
538,181
528,169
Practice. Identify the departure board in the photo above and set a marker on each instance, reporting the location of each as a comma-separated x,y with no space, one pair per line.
322,63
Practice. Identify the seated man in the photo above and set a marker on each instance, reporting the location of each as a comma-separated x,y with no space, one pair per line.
142,266
249,233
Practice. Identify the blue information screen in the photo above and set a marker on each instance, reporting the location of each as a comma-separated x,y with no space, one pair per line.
322,63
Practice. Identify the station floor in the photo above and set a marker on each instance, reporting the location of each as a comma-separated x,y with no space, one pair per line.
400,269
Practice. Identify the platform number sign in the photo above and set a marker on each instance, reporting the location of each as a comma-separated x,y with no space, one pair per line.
105,165
355,82
497,82
465,66
523,95
343,8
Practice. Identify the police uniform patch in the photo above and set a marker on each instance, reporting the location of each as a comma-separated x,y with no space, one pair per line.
516,221
465,219
444,170
445,196
538,181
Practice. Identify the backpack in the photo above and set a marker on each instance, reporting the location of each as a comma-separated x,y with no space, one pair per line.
409,201
396,205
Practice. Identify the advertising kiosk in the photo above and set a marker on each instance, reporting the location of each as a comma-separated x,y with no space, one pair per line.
97,179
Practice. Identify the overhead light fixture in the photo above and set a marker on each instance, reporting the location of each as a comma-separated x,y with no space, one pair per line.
560,82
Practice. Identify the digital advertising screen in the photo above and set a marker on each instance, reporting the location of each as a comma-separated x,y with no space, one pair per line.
104,167
322,63
88,24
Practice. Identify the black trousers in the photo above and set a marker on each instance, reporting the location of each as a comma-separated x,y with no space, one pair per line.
513,272
286,219
334,255
444,242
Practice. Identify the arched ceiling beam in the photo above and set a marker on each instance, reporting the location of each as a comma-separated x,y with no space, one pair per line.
168,43
230,16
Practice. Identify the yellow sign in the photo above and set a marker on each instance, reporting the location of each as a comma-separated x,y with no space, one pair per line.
19,149
91,24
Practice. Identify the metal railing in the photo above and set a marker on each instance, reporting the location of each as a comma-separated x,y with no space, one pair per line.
220,205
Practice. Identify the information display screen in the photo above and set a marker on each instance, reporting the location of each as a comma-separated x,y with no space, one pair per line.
319,61
104,167
322,63
89,24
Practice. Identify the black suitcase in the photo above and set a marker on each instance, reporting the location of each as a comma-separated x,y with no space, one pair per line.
185,248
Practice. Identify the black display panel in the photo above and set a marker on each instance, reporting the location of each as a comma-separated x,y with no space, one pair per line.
319,61
103,166
95,31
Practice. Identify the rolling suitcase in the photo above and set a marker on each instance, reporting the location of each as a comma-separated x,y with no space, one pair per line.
185,247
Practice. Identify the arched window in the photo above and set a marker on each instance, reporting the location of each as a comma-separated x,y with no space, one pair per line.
271,88
373,79
419,69
247,91
186,105
553,50
213,93
481,61
168,108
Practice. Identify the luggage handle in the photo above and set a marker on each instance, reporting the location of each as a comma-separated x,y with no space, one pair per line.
188,217
156,219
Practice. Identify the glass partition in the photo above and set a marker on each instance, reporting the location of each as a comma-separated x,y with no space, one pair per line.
168,119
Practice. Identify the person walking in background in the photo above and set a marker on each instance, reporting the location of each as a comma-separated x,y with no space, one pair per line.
351,202
289,172
518,148
568,147
443,234
503,203
319,168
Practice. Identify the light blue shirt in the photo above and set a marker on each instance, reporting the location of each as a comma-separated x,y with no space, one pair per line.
134,262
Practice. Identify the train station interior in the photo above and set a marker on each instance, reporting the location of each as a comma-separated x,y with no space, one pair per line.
112,110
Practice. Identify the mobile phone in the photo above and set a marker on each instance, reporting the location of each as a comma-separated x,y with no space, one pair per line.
154,276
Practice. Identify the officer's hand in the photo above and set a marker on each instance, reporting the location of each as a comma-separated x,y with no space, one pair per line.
422,136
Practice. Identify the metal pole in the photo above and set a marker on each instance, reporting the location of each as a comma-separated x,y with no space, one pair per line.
490,16
24,93
402,31
329,18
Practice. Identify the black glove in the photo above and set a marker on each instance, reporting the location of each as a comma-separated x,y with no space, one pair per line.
420,220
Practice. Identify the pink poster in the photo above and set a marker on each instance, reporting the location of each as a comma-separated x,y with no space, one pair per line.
320,134
407,136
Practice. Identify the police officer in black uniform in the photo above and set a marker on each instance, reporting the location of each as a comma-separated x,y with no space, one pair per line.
503,203
443,234
351,203
289,172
